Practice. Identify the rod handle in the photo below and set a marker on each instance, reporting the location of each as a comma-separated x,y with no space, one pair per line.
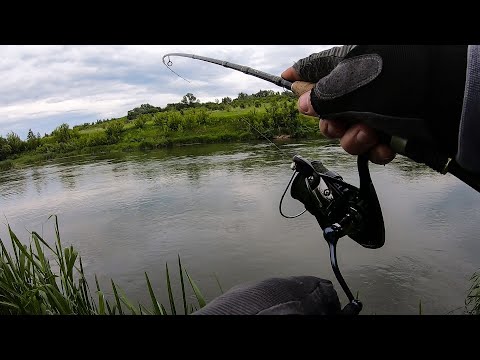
301,87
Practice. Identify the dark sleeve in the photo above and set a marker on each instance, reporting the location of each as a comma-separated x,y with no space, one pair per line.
296,295
468,155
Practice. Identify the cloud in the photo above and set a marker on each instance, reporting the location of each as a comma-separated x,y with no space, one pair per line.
43,86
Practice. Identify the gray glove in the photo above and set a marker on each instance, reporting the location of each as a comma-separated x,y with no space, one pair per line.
297,295
401,88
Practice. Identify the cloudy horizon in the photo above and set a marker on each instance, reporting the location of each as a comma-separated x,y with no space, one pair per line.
45,86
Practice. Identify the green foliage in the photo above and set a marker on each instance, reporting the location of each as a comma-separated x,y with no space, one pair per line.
15,143
5,149
33,141
83,126
160,119
202,116
143,109
189,99
113,131
64,134
6,165
141,122
96,139
147,145
174,121
30,285
189,120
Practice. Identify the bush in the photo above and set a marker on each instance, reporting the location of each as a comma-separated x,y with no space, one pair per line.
189,120
96,139
159,119
140,122
147,145
174,121
63,133
202,116
48,148
5,151
15,143
6,165
113,131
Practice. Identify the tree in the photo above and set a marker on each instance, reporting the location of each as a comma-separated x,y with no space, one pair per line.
226,100
264,93
32,141
143,109
31,135
62,133
16,144
189,99
5,149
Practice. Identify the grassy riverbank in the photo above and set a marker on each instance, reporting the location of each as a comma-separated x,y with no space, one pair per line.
46,278
250,118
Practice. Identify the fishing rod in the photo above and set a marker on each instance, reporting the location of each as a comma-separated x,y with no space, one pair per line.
277,80
416,143
342,209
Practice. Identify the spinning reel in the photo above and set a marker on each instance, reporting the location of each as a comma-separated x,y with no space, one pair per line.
341,210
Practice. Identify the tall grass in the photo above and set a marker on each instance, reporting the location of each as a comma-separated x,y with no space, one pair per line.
472,302
31,284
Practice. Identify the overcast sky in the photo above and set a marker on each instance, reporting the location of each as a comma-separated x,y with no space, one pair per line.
44,86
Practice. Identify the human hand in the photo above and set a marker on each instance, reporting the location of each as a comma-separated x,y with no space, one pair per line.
402,84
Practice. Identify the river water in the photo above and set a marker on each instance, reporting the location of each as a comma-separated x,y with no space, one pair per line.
216,206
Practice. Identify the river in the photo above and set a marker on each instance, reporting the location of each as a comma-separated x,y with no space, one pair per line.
217,207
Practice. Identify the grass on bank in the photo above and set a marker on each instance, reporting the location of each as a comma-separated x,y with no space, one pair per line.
31,285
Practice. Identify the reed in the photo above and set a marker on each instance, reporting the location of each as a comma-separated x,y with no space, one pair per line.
42,279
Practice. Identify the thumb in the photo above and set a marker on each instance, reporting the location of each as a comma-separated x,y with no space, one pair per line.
305,105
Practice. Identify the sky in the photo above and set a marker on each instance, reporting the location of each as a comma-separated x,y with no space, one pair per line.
43,86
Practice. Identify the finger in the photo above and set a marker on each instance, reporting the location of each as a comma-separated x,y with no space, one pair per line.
381,154
358,139
332,129
291,74
305,106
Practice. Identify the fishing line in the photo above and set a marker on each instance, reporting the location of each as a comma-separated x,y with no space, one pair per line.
244,69
169,67
266,138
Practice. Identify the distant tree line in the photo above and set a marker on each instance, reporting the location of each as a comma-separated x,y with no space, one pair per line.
278,115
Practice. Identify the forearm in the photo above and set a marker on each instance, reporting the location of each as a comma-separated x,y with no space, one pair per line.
468,155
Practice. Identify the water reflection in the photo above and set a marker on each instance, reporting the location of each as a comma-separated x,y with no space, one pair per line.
120,168
67,177
13,183
39,179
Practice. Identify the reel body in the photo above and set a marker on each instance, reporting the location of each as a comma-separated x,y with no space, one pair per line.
340,209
